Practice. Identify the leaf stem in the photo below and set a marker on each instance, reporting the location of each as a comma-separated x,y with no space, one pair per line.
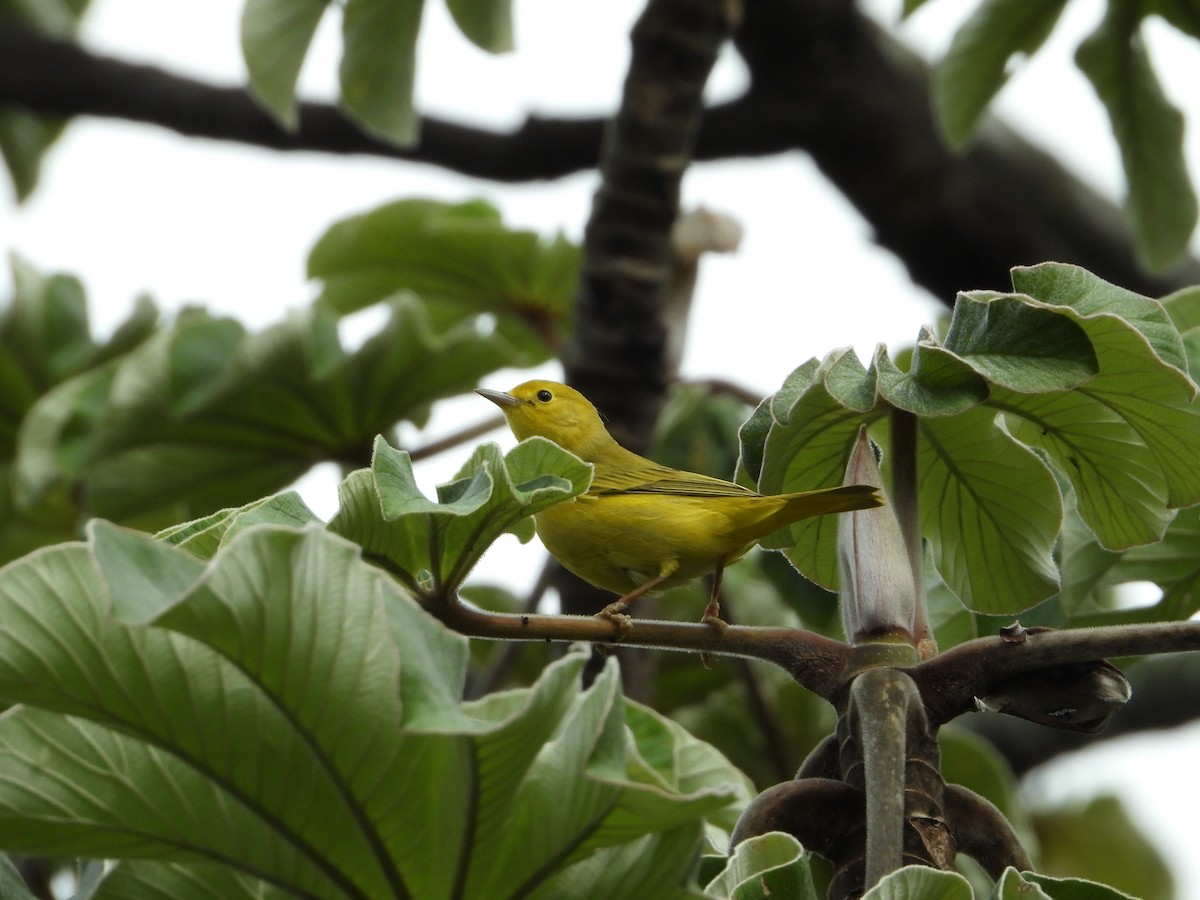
882,702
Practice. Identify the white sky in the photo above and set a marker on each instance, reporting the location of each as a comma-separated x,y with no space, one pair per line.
133,209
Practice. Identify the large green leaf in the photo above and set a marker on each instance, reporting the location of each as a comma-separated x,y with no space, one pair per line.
432,545
809,451
1089,379
46,332
204,416
459,254
276,35
284,711
46,347
379,51
995,510
1123,439
146,880
1149,130
976,65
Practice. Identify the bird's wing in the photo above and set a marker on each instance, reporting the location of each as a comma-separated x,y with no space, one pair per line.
656,479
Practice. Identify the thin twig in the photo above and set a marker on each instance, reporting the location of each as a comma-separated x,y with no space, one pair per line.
450,441
815,661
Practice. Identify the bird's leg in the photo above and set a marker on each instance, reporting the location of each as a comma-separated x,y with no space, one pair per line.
616,610
712,612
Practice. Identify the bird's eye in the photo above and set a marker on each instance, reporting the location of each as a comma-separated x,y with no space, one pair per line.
545,396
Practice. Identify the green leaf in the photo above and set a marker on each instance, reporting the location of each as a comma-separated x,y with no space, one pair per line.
1099,839
1013,886
1091,296
769,865
752,436
976,65
1090,376
1183,306
143,879
1124,437
12,885
1070,889
488,23
992,512
921,883
974,762
47,327
684,763
1149,130
203,415
807,448
144,575
1018,345
456,254
657,865
379,40
1171,563
911,6
289,714
937,382
432,545
276,35
204,537
24,140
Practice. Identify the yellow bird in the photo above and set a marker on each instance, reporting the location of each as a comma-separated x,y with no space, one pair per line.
641,526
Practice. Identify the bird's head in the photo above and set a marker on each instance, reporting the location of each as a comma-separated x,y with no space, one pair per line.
551,410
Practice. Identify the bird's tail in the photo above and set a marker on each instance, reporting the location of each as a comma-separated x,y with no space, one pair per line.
846,498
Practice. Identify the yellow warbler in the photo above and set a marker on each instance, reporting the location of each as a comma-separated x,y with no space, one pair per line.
641,526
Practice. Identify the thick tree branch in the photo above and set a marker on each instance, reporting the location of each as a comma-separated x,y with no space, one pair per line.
951,682
860,103
825,81
617,354
62,78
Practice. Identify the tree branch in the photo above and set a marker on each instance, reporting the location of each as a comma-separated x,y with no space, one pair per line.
825,80
1166,694
952,681
617,354
861,104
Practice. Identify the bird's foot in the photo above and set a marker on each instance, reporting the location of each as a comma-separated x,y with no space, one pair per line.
712,616
614,613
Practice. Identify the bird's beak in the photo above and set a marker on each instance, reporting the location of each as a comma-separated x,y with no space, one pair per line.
501,399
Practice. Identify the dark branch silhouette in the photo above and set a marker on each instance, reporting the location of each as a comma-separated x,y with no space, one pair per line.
824,80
